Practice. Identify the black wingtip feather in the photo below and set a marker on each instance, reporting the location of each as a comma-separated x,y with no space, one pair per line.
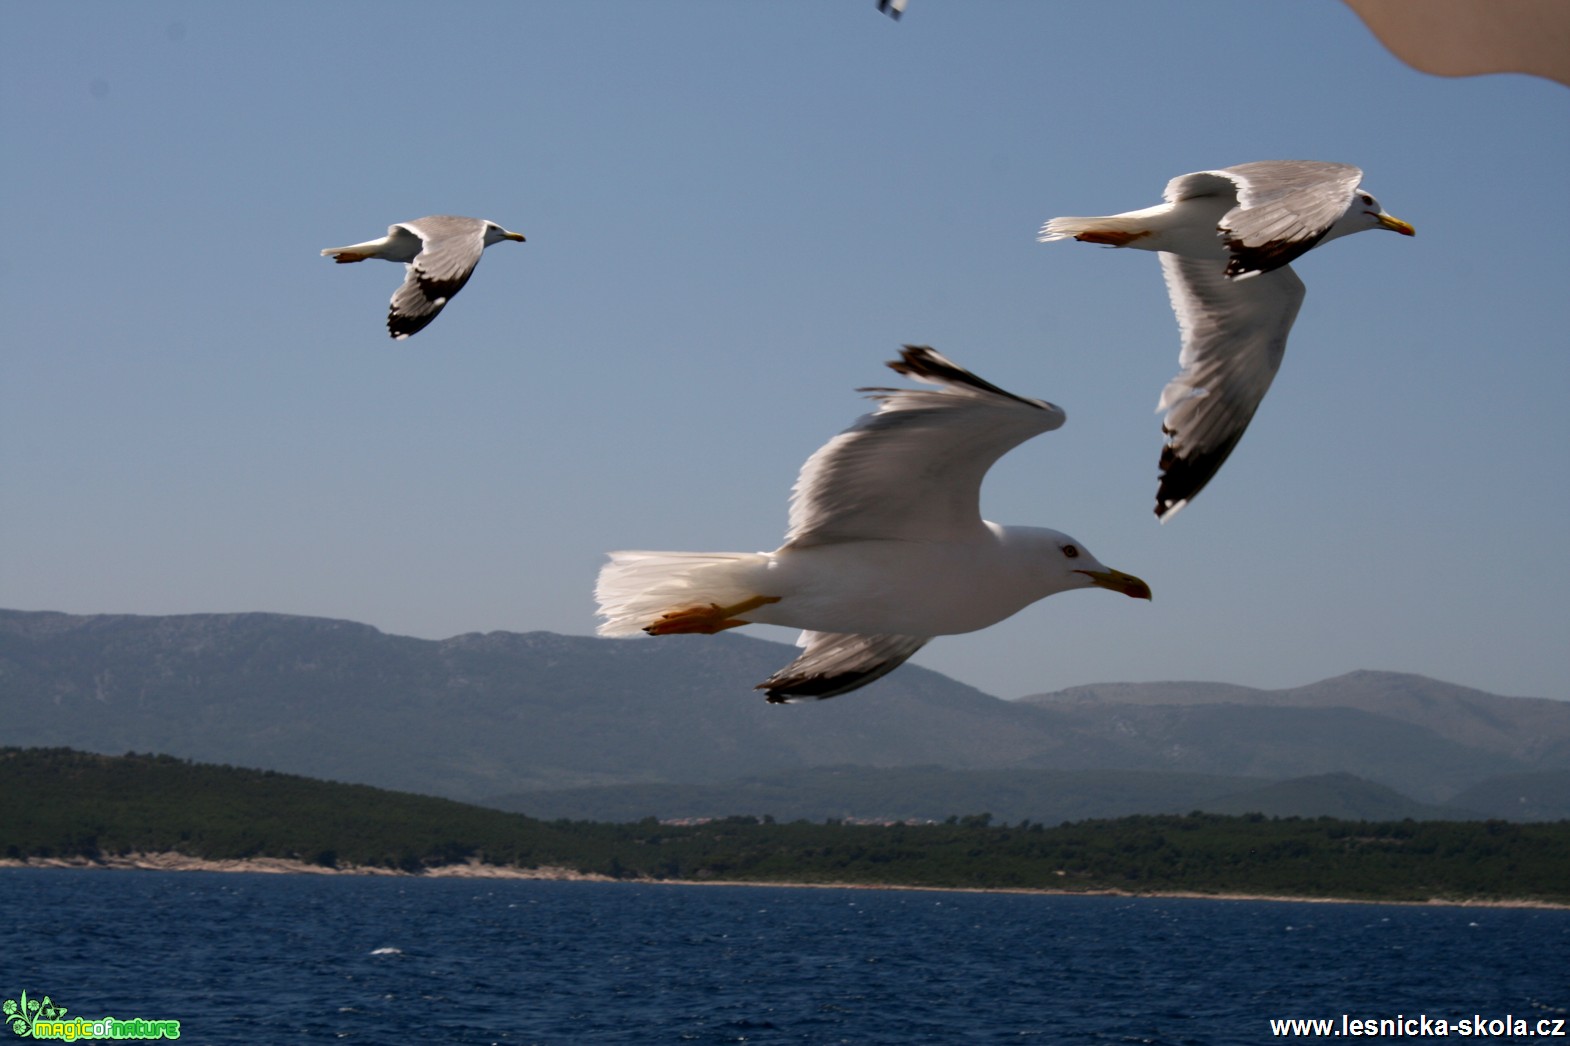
923,361
837,664
1183,477
1246,260
781,688
401,325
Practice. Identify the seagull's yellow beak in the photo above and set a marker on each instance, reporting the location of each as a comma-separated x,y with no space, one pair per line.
1117,581
1394,224
519,236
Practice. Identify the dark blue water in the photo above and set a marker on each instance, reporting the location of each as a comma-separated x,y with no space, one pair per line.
251,958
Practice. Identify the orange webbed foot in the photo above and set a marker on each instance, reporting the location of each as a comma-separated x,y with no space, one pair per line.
705,620
1110,237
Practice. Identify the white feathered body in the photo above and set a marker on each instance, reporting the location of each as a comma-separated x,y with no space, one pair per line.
1189,228
911,588
397,246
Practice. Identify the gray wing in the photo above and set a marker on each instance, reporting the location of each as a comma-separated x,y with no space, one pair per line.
451,249
913,468
1284,208
1234,335
835,663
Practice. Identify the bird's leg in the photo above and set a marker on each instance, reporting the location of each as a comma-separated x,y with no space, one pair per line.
705,620
349,256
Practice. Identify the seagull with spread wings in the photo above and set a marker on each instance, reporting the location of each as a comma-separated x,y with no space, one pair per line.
1226,238
440,253
886,545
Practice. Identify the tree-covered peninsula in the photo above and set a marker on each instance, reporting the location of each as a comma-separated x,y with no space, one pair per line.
64,804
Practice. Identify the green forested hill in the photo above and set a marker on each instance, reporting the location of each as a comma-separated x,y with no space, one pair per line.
932,792
61,803
58,802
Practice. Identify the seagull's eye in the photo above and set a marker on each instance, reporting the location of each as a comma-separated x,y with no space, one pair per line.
1368,201
1071,552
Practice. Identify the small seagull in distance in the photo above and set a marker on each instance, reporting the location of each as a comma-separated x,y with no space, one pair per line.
440,251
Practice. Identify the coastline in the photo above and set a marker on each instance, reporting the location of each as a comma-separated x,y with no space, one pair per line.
178,862
472,869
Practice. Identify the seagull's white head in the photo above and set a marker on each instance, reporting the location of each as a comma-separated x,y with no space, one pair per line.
1365,213
496,234
1062,564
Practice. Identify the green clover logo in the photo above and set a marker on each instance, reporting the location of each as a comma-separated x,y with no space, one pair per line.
22,1014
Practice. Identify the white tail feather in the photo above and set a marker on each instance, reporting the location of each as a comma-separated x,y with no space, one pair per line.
360,251
1067,228
635,588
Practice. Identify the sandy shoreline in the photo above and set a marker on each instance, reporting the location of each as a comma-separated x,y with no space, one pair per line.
177,862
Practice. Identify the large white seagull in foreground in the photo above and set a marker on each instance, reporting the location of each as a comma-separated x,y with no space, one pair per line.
1225,239
886,546
440,252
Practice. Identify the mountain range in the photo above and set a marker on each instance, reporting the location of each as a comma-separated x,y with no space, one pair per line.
572,726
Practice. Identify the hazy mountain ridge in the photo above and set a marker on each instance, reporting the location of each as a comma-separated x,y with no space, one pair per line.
1527,728
1542,796
497,714
1288,741
468,716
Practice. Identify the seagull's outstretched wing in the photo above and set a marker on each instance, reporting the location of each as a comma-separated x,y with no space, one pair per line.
834,663
1284,207
912,469
1234,335
451,248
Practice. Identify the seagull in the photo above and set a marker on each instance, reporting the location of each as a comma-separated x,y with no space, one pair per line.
1226,238
892,8
441,251
886,546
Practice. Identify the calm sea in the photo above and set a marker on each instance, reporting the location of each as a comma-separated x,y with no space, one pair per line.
254,958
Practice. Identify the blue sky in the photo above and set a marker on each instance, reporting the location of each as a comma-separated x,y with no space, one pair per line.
736,211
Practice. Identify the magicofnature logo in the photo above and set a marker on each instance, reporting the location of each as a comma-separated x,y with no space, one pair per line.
43,1019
